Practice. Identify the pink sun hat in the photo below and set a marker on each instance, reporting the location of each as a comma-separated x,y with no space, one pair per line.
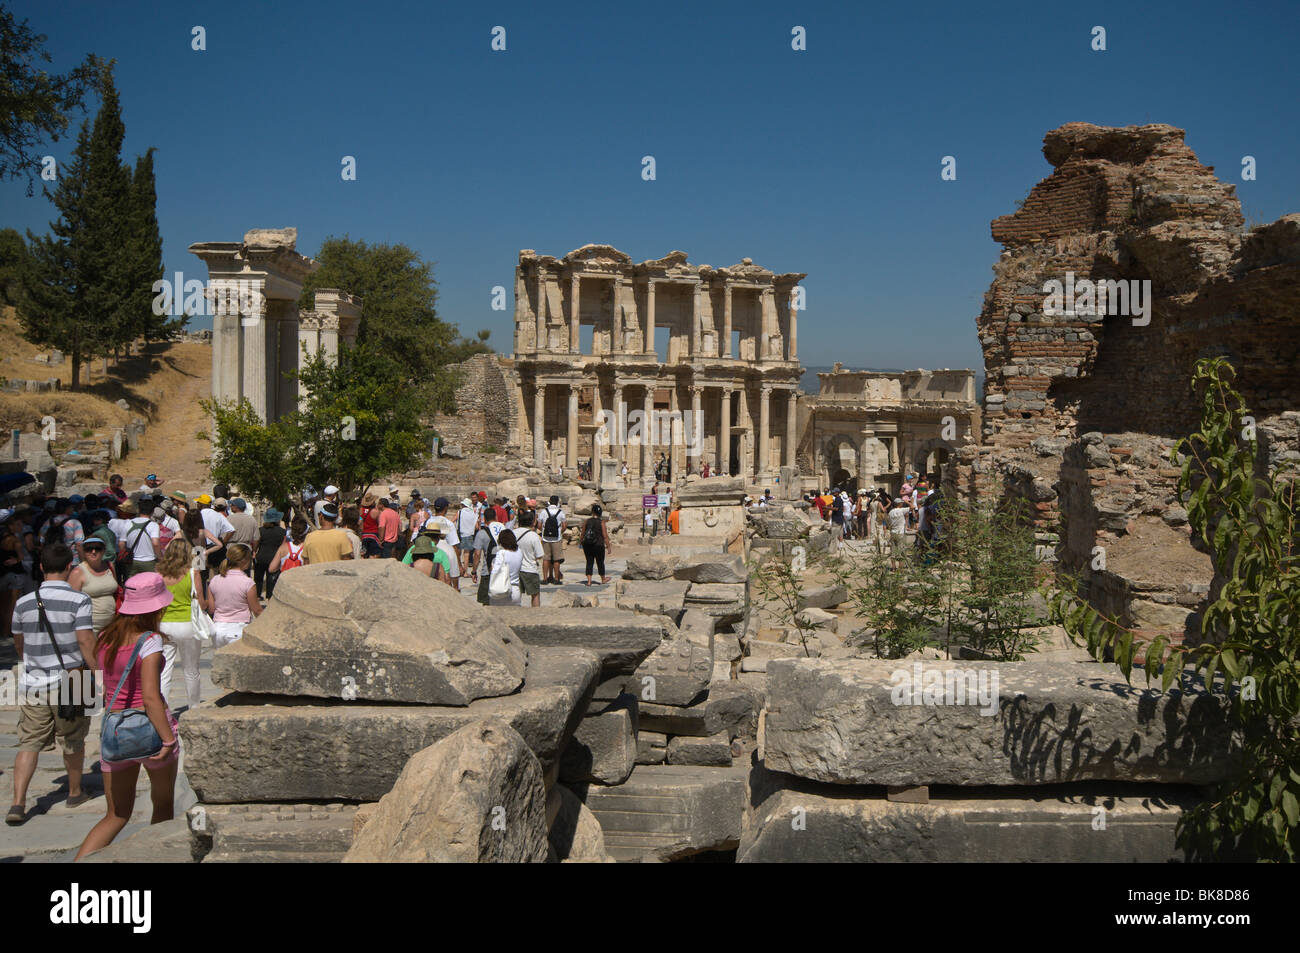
145,593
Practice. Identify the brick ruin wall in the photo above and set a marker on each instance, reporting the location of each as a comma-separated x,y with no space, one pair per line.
1081,411
488,408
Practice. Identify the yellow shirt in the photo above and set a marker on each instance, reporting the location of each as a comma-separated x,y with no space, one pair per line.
326,546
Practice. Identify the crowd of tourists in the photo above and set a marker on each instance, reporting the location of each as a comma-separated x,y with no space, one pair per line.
884,521
120,588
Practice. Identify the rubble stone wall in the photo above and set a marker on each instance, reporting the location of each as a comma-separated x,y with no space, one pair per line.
488,408
1082,407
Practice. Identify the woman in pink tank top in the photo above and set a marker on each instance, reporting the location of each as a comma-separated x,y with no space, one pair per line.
142,606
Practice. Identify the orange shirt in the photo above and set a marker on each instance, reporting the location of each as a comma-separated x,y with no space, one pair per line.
675,521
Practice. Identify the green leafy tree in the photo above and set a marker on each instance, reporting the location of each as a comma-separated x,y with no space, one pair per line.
77,288
399,315
144,258
34,103
1249,519
358,422
13,255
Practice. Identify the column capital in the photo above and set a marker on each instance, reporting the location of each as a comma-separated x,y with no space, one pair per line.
765,390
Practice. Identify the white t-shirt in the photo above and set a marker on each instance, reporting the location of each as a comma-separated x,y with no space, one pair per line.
530,550
560,517
125,531
215,523
466,520
449,534
649,518
898,520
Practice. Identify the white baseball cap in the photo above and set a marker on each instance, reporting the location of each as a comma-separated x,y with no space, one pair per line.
331,490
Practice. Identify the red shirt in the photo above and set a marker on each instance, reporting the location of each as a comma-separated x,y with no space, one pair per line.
369,524
501,514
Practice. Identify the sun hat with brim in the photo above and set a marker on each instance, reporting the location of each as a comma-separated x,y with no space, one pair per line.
272,516
179,497
128,507
203,498
432,529
144,593
424,546
94,542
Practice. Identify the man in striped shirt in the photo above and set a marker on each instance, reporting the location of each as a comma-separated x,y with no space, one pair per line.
68,614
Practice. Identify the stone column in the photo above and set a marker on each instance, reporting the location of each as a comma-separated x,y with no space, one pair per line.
647,431
791,427
726,321
597,418
764,420
694,434
542,336
794,333
571,444
539,425
617,344
329,338
253,327
742,414
724,434
696,342
650,317
764,325
864,453
619,436
575,314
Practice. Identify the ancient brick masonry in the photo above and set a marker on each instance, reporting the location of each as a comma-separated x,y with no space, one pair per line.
1082,407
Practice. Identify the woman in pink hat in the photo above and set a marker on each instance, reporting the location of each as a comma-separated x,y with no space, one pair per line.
137,621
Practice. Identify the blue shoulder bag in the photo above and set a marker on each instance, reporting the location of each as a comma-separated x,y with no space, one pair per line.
128,734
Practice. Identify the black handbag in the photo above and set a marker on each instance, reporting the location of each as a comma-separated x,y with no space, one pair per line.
66,709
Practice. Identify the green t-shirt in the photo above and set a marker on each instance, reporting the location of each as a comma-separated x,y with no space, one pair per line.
439,557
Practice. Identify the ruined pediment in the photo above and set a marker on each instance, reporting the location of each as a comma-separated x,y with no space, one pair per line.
600,255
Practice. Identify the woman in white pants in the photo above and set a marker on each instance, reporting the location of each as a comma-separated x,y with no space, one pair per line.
186,585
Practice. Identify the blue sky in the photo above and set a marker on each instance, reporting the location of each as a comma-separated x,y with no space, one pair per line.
824,161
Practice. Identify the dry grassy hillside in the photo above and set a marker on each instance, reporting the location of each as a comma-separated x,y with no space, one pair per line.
163,387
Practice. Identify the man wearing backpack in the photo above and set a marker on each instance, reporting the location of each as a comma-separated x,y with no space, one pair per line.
553,542
531,553
136,539
485,546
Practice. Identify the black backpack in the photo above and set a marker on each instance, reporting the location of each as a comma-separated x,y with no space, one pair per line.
591,534
551,528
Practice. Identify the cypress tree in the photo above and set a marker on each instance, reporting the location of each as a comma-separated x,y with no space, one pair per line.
145,255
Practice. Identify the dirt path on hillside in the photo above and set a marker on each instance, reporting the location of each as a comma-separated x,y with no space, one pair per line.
170,446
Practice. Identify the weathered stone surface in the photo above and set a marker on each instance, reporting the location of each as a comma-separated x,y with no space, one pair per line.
715,750
1046,723
717,490
726,602
706,568
255,748
1002,830
762,649
823,597
665,597
651,747
618,639
575,834
728,706
664,812
679,669
476,796
652,566
166,843
603,747
272,833
372,630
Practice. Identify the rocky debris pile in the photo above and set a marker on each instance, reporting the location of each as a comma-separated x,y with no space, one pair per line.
1025,754
777,530
339,686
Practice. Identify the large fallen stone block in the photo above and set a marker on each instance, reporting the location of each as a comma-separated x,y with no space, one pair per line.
678,671
166,843
726,602
798,827
375,631
619,639
711,567
272,833
651,747
663,597
823,597
858,721
256,748
728,706
476,796
575,834
714,750
603,747
665,812
654,566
